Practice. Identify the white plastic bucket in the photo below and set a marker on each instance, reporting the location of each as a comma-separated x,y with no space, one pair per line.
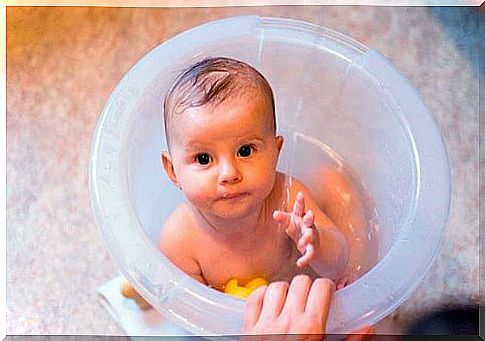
331,92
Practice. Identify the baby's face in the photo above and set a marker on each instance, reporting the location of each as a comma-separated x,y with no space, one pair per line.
224,157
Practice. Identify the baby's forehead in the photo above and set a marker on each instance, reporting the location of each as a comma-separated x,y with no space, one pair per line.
205,125
256,100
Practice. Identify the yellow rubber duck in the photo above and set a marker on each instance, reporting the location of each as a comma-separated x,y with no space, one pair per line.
233,288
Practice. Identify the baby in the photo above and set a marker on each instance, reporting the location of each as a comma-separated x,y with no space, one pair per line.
239,219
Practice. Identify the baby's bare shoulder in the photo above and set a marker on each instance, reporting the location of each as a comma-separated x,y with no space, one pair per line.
179,240
284,180
178,227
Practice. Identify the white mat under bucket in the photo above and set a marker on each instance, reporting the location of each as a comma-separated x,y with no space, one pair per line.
133,320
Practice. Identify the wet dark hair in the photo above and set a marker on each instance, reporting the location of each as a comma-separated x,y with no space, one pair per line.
213,80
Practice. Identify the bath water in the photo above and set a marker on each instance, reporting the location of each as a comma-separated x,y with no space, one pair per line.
311,161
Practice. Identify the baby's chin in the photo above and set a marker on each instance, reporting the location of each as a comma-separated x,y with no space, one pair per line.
233,210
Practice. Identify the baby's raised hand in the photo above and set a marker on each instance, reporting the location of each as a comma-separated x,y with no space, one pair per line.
300,227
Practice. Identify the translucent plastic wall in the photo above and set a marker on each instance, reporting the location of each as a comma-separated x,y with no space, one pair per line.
335,100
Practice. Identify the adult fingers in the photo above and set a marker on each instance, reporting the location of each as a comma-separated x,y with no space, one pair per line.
365,333
274,299
252,308
319,299
297,295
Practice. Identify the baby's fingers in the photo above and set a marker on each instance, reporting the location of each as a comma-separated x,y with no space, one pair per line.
306,238
299,205
282,217
309,218
307,256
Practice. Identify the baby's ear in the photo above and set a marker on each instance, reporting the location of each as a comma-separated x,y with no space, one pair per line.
168,166
279,142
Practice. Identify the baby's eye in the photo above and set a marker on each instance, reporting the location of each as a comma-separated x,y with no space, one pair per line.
245,151
203,158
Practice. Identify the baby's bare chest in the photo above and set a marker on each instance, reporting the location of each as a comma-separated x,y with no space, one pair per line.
272,258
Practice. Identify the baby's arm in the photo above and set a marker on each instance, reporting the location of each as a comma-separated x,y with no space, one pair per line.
321,243
177,243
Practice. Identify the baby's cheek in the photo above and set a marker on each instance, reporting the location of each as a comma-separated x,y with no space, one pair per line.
263,178
196,190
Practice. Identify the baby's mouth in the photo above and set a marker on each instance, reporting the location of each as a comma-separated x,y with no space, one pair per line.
233,196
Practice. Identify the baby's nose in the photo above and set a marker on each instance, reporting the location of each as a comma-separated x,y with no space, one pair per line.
229,172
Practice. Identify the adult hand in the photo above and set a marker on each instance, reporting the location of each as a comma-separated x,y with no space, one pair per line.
363,334
298,308
298,311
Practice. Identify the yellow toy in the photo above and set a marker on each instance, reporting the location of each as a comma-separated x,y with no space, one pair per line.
128,291
234,289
